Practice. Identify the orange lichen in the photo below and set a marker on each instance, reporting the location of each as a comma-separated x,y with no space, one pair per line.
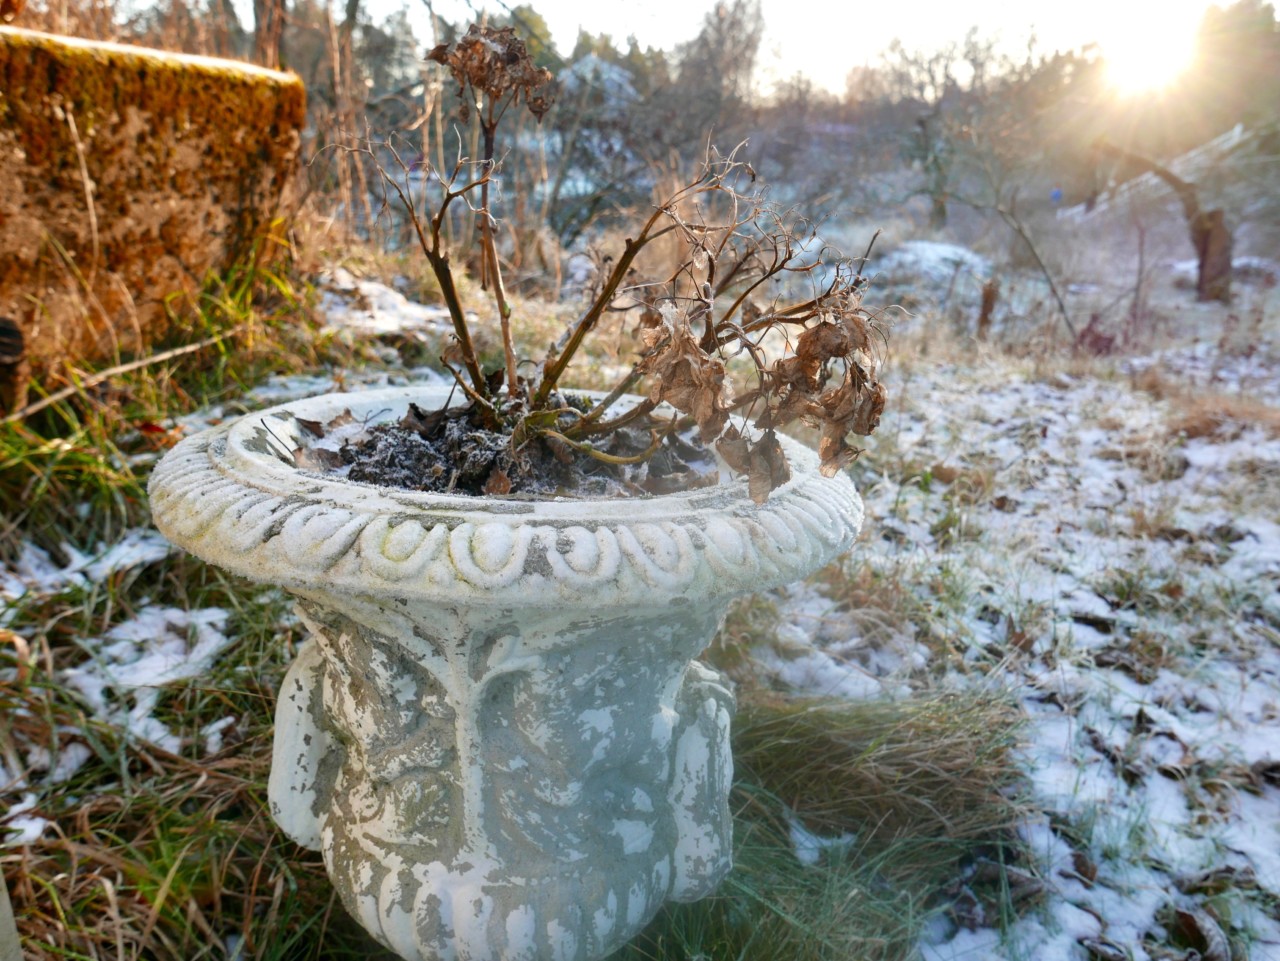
187,160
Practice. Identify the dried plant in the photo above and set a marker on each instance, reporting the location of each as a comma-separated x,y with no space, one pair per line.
754,290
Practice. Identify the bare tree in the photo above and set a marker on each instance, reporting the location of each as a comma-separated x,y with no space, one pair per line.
1210,235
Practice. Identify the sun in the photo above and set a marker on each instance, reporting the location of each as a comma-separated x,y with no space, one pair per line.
1148,54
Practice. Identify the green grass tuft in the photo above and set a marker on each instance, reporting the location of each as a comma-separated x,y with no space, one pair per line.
919,787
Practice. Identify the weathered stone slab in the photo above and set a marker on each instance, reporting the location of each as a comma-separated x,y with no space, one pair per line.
127,175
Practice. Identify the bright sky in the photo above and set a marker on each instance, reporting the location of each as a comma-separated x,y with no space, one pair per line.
1145,38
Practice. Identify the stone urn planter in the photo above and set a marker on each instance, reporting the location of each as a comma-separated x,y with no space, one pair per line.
497,733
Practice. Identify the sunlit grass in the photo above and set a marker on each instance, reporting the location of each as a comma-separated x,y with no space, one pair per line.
918,789
75,471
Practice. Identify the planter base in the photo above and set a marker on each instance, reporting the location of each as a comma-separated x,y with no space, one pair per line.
516,816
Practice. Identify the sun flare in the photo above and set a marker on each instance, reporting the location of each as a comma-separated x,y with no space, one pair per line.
1143,56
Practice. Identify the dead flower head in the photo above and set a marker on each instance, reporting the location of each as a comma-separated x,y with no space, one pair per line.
495,63
707,312
684,375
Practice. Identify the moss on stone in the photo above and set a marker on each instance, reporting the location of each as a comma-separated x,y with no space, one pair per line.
189,159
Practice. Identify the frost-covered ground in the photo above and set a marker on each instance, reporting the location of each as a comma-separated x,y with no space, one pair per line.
1062,538
1096,551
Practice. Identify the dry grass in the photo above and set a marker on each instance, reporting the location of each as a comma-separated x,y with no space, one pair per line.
174,857
150,854
879,601
76,470
937,769
966,485
921,788
1201,415
1196,412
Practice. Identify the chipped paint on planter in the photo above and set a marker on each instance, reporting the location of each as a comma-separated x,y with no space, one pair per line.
497,733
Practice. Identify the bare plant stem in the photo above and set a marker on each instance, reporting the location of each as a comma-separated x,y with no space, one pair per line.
555,366
588,426
1014,222
441,268
504,308
88,196
609,458
493,271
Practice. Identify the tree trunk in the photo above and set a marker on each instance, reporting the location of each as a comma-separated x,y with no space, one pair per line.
990,294
1213,245
268,32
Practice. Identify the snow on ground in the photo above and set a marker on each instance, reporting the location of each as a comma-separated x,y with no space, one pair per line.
128,665
932,261
1124,582
120,679
1246,270
1052,534
35,570
370,308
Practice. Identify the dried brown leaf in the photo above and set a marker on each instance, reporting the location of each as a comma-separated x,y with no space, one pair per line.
1217,880
1104,950
768,468
317,459
424,423
834,451
866,418
312,427
680,481
735,449
1200,931
1084,867
494,61
797,371
690,380
823,342
857,330
652,328
341,420
498,483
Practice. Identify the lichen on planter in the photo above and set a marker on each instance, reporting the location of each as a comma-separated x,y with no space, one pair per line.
497,733
188,160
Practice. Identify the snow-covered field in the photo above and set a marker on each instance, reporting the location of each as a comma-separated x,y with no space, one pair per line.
1077,540
1123,580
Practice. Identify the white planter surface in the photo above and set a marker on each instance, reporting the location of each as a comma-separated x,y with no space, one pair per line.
497,734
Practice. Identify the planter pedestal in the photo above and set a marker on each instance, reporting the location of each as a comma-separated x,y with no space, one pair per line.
497,733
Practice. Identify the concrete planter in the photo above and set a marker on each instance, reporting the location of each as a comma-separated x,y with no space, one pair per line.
497,734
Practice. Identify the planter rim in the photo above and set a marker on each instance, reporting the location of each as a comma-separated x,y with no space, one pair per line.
228,496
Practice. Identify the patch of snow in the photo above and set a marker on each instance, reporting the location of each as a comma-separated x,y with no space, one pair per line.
212,733
17,827
815,673
1132,609
35,571
932,261
370,308
127,666
808,846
